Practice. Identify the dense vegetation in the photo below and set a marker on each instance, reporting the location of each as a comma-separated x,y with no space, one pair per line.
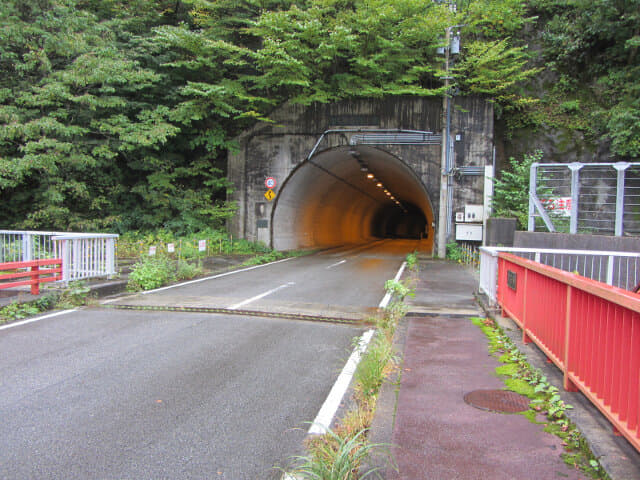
117,114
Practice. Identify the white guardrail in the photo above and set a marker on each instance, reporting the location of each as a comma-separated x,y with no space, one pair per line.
84,255
619,269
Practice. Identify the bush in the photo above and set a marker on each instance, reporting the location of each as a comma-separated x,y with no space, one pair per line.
150,273
454,252
186,271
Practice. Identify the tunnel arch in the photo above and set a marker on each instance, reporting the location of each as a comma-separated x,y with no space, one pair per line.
328,200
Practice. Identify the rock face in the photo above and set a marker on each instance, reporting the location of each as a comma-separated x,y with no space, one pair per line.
327,200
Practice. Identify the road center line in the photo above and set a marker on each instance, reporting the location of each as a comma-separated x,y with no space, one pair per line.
258,297
336,264
387,298
330,406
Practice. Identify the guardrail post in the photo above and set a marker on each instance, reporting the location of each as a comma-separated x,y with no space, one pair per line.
111,264
569,386
575,195
525,336
621,167
27,243
35,287
66,260
610,262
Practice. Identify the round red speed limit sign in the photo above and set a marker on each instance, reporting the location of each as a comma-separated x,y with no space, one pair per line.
270,182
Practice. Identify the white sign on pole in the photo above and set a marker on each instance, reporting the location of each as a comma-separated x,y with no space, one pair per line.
152,250
171,247
202,245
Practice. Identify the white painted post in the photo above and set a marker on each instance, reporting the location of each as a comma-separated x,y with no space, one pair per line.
610,270
621,167
27,242
111,257
575,195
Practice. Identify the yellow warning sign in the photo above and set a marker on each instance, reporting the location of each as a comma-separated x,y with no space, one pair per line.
269,195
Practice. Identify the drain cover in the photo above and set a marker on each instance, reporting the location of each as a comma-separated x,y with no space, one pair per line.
501,401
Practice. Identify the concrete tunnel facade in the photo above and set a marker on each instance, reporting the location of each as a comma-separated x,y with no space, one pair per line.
328,198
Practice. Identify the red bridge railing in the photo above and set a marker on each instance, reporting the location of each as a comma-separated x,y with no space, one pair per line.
35,275
590,330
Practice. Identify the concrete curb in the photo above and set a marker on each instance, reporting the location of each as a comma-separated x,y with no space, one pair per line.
381,430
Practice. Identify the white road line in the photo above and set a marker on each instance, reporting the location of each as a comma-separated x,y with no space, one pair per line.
336,264
258,297
387,298
330,406
37,319
233,272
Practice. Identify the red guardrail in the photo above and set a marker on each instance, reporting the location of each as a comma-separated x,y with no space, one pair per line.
590,330
34,274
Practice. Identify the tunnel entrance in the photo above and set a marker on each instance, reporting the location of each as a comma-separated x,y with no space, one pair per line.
349,195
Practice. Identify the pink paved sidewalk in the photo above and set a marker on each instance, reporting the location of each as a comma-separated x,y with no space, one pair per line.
437,436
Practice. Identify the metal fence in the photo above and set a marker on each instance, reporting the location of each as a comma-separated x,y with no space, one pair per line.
84,255
590,331
619,269
595,198
470,254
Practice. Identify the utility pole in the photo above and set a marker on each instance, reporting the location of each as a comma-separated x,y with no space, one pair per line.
444,174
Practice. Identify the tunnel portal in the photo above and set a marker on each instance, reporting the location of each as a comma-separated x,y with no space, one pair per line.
301,180
350,194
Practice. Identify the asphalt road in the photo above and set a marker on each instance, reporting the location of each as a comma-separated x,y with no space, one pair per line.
115,394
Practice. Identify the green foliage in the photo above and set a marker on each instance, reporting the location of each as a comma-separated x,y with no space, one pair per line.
150,273
454,252
521,378
118,115
398,289
589,53
372,367
17,311
136,244
76,294
412,261
187,271
265,258
511,190
337,458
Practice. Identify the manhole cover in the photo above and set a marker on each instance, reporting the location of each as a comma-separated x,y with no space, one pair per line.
502,401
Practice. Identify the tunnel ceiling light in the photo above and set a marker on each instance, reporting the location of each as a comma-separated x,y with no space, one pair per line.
379,184
364,168
370,175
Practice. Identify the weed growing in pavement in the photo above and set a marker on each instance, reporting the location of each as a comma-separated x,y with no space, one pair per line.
264,258
374,366
412,261
521,378
335,457
339,453
74,295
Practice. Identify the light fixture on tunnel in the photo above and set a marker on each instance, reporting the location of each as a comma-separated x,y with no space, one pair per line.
370,175
379,184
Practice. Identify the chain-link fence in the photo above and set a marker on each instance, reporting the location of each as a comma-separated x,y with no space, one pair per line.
595,198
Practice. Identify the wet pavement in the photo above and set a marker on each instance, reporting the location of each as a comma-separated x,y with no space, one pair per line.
422,414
